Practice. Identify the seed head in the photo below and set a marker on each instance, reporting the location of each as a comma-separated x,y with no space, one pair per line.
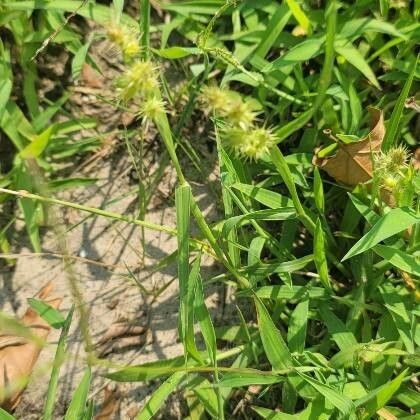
240,113
393,161
214,99
251,144
152,107
127,39
115,33
139,79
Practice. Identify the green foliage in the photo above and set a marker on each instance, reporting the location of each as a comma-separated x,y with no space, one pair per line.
326,281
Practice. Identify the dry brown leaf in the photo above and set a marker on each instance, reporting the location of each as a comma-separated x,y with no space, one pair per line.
111,404
352,164
91,77
18,355
385,414
416,159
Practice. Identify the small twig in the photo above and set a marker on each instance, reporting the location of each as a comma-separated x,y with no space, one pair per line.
57,31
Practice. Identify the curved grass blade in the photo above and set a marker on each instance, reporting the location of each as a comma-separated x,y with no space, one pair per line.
58,360
275,348
77,405
395,221
392,127
159,396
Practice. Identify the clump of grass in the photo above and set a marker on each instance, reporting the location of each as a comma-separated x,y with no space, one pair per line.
326,279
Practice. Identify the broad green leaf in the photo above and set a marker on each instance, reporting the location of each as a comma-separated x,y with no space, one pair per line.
77,405
4,415
205,392
318,191
399,259
401,317
173,53
395,221
273,29
377,398
47,312
301,52
269,214
186,284
266,413
275,348
97,12
38,144
353,56
358,26
5,90
339,332
282,267
90,406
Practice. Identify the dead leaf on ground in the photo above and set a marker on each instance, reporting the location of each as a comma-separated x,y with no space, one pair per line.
18,354
416,159
91,77
111,404
352,164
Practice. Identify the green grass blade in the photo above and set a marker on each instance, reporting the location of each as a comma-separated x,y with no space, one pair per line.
395,221
377,398
145,26
338,331
275,348
300,15
47,312
319,255
4,415
399,314
391,136
343,403
158,397
77,405
353,56
58,360
296,333
186,281
206,324
399,259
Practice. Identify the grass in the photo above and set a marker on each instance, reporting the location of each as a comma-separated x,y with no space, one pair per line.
325,275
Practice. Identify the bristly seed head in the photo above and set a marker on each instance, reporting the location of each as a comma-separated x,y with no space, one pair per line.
393,161
252,143
228,105
126,38
139,80
151,108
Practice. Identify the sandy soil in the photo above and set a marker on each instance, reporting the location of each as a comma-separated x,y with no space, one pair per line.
109,293
104,254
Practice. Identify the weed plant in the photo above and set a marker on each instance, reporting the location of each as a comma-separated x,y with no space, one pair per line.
327,272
